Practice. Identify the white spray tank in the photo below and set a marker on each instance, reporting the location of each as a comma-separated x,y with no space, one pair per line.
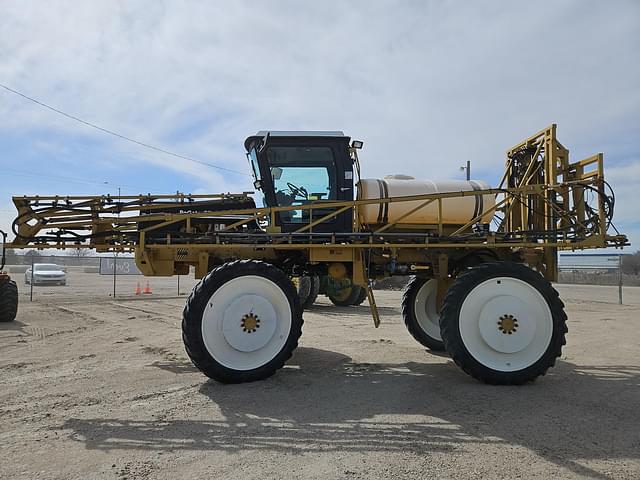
455,210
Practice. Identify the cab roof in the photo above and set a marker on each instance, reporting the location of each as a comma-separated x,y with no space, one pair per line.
294,133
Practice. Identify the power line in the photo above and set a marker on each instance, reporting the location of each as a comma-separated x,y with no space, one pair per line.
116,134
66,179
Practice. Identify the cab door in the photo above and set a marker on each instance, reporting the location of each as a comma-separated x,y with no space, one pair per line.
308,171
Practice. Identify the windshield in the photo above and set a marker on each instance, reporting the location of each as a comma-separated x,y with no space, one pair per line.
301,183
45,267
301,175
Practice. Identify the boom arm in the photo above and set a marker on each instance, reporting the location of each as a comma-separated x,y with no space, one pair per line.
543,203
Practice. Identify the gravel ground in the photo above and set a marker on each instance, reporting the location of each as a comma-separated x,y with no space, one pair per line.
96,387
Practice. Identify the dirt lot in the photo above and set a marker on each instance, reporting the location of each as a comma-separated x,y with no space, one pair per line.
93,387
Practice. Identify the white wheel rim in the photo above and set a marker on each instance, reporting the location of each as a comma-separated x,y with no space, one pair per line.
496,307
246,322
426,310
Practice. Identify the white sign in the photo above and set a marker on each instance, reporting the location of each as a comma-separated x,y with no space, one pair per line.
124,266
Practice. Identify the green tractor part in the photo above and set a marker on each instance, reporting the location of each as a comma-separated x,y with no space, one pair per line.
8,289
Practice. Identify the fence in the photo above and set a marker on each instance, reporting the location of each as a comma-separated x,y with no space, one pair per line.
91,277
95,276
593,267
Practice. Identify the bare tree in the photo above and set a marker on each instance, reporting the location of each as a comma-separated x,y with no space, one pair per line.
631,264
79,254
32,256
11,256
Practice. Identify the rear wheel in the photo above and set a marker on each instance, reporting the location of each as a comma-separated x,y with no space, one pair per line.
420,314
344,293
503,323
313,291
242,322
303,288
8,301
308,288
346,296
361,296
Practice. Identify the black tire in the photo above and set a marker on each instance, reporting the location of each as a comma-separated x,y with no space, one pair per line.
410,319
195,306
345,297
361,296
8,301
314,289
303,288
450,323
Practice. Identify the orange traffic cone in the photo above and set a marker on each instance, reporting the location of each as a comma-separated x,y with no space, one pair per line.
138,289
147,289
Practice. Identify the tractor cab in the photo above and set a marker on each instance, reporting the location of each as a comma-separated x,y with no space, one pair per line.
299,168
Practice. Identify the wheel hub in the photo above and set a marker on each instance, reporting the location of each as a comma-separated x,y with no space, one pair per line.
512,332
250,323
508,324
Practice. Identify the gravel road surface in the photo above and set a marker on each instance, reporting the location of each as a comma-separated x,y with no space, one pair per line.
96,387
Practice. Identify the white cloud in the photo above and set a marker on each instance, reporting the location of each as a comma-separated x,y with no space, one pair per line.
426,85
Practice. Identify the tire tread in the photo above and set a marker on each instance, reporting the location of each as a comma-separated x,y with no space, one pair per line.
192,321
410,321
450,329
313,294
8,301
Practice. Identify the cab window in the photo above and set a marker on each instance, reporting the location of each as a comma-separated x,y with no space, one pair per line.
253,161
301,175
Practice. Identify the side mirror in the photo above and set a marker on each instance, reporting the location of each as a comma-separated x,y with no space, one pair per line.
276,173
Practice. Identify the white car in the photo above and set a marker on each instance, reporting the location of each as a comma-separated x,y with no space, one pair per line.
46,274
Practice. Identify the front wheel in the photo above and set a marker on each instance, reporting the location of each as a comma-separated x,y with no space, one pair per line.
242,322
503,323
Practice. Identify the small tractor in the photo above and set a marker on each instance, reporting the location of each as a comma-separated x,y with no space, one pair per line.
480,259
8,288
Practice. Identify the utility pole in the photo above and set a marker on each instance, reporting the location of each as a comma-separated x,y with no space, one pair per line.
31,281
115,253
115,273
620,279
468,170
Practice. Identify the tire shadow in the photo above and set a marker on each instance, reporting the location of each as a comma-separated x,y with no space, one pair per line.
355,310
323,401
15,325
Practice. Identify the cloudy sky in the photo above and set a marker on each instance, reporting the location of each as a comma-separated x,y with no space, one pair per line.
426,85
